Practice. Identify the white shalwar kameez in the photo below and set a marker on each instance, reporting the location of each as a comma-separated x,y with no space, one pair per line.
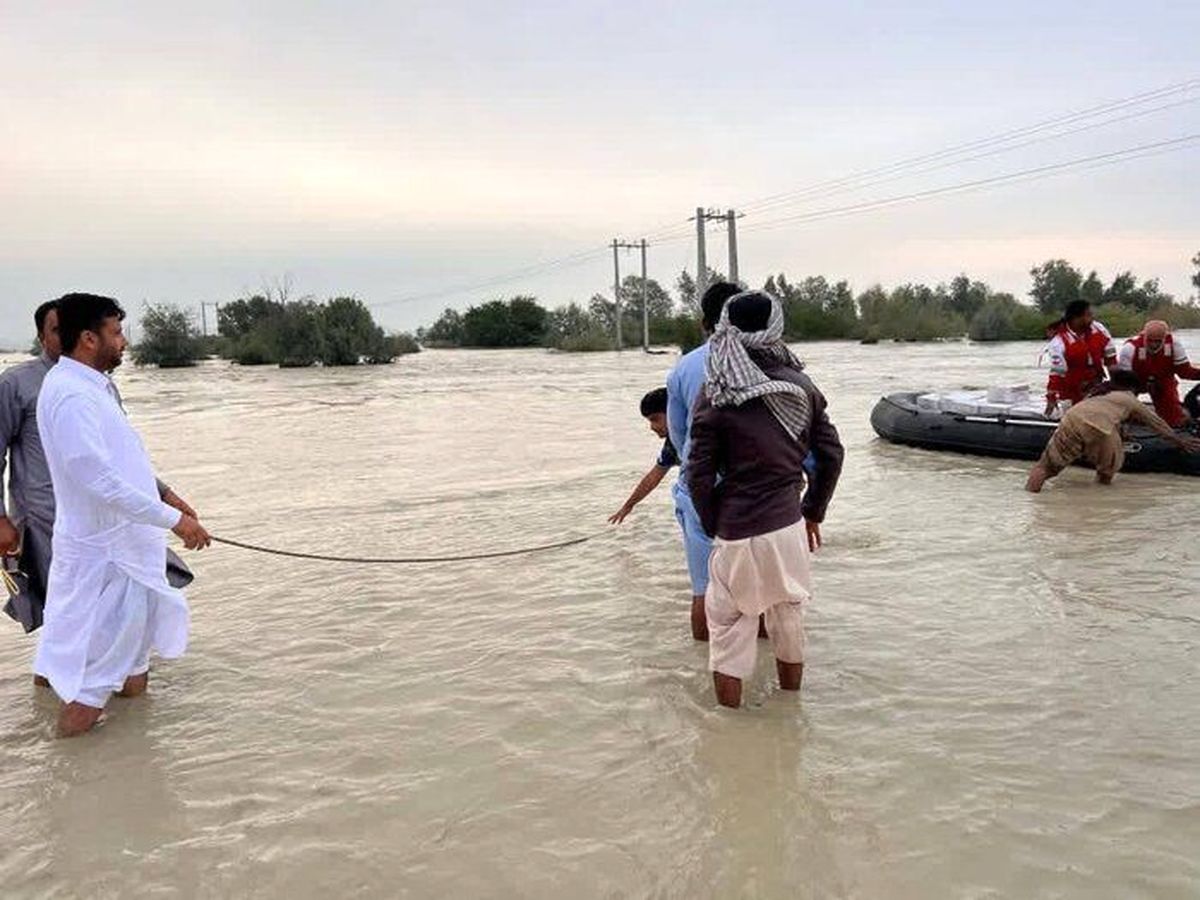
108,603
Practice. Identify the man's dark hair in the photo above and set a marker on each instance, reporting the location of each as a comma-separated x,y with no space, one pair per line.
714,301
751,312
78,313
40,314
1124,380
1074,310
654,402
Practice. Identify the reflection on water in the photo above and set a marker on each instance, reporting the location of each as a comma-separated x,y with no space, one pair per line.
1000,699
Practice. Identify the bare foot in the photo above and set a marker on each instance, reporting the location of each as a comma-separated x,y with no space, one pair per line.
790,674
1103,479
41,681
1037,478
75,719
729,690
699,620
135,685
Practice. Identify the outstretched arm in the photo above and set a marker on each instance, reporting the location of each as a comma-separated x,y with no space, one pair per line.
644,487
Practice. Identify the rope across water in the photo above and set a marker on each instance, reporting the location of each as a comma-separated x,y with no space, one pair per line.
409,560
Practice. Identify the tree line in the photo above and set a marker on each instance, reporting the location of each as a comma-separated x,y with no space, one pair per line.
816,309
269,329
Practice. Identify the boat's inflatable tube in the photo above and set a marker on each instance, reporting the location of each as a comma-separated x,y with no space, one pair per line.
898,418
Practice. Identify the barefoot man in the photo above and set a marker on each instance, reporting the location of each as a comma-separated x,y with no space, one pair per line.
753,426
108,603
1091,431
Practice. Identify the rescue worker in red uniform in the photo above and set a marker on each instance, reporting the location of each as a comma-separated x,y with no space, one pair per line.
1159,359
1080,350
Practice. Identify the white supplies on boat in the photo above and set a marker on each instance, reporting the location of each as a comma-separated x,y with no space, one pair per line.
1014,402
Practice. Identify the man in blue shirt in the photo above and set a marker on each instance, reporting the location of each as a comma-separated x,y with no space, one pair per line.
684,385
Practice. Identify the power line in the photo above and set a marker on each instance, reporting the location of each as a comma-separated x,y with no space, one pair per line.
979,143
1157,148
917,165
815,194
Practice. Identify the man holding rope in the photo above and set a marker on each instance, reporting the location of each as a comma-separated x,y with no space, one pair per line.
27,523
108,602
754,425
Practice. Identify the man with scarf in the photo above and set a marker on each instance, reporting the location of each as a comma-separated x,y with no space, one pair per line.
757,419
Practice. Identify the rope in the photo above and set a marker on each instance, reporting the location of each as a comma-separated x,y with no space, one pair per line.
409,560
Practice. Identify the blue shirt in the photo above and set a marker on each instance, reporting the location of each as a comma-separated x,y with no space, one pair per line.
684,385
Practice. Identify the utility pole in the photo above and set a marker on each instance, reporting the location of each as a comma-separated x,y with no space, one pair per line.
626,245
701,259
617,290
645,308
731,218
204,304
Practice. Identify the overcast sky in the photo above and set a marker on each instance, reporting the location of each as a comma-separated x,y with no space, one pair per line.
189,152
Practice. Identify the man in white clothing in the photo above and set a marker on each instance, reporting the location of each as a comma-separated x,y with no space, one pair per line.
108,603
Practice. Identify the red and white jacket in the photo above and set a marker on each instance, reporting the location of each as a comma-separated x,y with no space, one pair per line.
1161,367
1077,361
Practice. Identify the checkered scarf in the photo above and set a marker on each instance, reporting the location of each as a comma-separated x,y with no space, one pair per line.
733,377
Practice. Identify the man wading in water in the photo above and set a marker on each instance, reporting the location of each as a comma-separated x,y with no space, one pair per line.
753,426
684,386
1091,430
108,603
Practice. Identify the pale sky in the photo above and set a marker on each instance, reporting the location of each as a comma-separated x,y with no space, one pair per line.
189,152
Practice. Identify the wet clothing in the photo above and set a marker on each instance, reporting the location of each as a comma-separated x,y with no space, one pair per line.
1077,361
1159,373
108,602
31,508
1091,431
760,464
769,575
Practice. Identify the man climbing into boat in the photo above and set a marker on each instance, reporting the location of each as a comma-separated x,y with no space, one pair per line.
684,386
1080,350
1091,430
654,411
1159,360
753,426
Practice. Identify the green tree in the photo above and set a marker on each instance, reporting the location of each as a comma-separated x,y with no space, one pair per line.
348,332
447,331
240,317
573,328
1056,283
1002,318
685,287
1092,289
1196,276
967,297
169,338
299,340
1127,292
519,322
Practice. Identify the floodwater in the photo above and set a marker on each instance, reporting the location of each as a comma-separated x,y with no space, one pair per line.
1001,697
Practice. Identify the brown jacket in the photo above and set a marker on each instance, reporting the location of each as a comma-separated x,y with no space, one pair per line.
760,466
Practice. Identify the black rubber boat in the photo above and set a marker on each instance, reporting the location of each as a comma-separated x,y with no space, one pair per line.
898,418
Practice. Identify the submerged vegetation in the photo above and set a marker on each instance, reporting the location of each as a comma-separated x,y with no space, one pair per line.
816,309
272,330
